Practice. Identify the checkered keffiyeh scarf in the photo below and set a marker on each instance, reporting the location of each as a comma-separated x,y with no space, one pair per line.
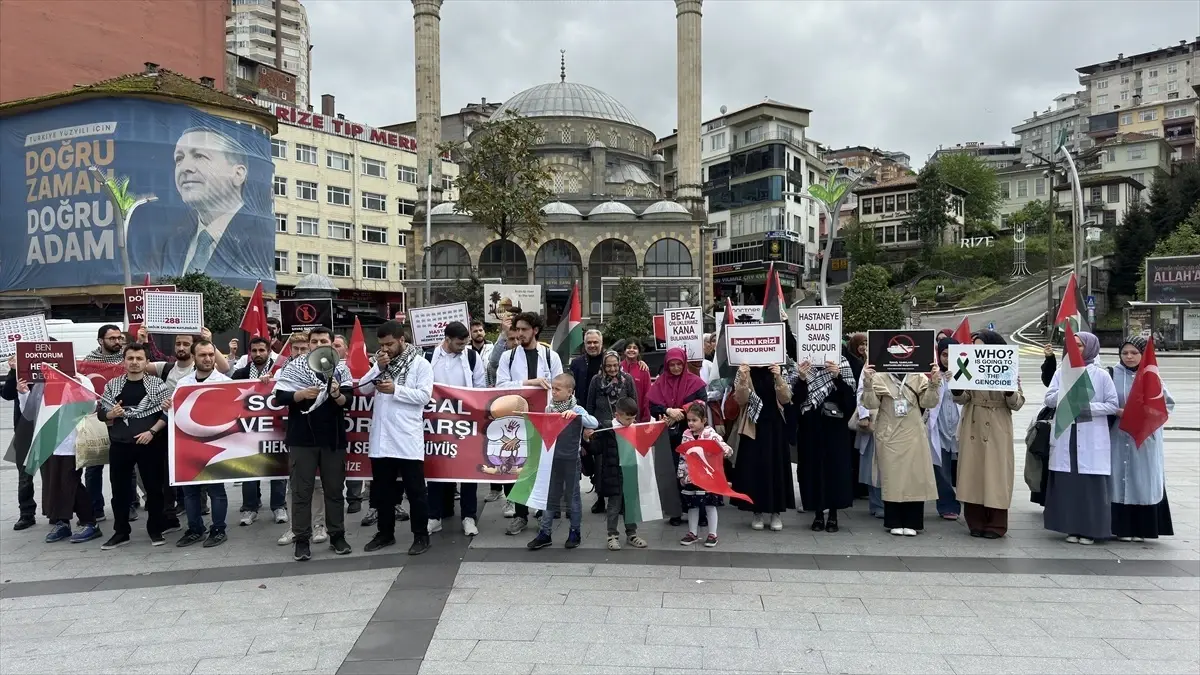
102,356
820,383
256,372
296,375
397,369
156,392
562,406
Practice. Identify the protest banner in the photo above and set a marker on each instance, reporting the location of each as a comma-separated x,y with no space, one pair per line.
684,327
755,344
819,334
302,315
233,431
660,333
510,300
429,323
30,328
900,351
743,314
135,307
178,313
984,367
31,356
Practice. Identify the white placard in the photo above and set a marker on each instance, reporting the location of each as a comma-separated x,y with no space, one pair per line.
177,313
1191,324
755,344
685,329
818,334
429,323
30,328
753,311
499,299
983,367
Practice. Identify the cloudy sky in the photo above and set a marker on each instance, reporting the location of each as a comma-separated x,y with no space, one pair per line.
897,75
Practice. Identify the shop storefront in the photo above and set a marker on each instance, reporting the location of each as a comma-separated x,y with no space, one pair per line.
740,273
1173,325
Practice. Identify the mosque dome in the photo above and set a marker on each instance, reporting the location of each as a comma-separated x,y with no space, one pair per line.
560,209
566,99
445,209
665,206
611,207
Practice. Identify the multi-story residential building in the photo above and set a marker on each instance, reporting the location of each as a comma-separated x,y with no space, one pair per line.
248,78
456,127
1040,133
996,156
345,194
886,208
1020,185
1149,93
889,165
274,32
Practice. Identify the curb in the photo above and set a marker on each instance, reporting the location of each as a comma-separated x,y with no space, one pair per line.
987,308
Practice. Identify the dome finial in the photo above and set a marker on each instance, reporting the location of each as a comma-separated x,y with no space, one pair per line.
562,65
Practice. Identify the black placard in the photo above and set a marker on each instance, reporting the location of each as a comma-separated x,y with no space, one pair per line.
301,315
900,351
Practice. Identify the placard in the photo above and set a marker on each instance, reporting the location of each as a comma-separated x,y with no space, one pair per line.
511,299
178,313
429,323
660,333
983,367
134,301
30,328
819,334
742,314
900,351
301,315
684,328
755,344
31,356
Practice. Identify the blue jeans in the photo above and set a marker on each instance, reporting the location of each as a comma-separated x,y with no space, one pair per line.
570,490
193,500
947,503
93,480
252,495
875,501
441,500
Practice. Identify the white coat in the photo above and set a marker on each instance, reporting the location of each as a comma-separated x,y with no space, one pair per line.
455,369
1092,436
397,419
514,370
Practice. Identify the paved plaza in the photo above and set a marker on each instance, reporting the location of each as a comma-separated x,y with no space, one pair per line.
859,601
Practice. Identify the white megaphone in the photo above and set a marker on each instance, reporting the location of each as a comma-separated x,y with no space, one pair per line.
323,360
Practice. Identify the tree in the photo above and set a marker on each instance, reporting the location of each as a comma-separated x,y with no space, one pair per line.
860,242
1032,216
470,291
1171,201
1185,240
868,303
223,304
1133,241
501,182
630,316
930,217
982,202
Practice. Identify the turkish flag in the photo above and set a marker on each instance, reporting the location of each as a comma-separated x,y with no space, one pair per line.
706,468
254,321
356,353
963,332
1146,406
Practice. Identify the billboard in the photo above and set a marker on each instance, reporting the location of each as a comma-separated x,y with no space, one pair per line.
211,179
1173,279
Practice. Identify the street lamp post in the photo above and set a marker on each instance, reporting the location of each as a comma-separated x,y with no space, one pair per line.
117,190
830,197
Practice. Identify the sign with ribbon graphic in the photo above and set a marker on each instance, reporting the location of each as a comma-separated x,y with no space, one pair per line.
900,351
984,367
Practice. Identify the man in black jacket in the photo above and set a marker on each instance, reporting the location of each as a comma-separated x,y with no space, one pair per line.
24,480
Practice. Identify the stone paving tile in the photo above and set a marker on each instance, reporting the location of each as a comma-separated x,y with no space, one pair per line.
1147,667
258,663
1189,598
922,607
853,662
612,634
701,636
798,620
648,571
729,573
233,645
656,616
895,591
453,650
1009,665
1119,628
1029,610
817,576
1087,648
1177,583
714,601
1187,649
780,603
771,659
570,583
513,581
555,669
637,656
691,585
1096,581
508,596
559,653
1018,580
779,588
1136,611
943,644
488,630
865,623
989,625
473,668
617,599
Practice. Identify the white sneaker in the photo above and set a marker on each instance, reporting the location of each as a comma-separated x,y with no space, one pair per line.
280,516
510,509
320,535
757,522
896,531
248,518
1087,541
1139,539
1124,538
492,495
909,532
287,538
469,527
433,525
1072,539
776,522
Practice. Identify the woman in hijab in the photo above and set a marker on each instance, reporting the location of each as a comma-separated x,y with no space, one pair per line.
610,385
827,401
1139,498
985,449
675,388
855,352
943,439
632,365
762,465
1077,494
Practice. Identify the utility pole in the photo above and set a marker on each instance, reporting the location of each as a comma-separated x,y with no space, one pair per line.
1050,173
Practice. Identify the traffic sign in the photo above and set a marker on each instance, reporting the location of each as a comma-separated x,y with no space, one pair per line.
1091,301
991,325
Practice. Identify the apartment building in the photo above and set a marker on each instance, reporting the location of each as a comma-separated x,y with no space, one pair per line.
274,32
456,127
252,79
1040,133
345,194
889,165
886,208
996,156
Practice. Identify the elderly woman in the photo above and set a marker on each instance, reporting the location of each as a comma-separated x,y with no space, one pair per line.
986,463
1139,498
1077,491
608,386
669,396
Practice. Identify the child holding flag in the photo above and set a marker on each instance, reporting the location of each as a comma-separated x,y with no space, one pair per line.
693,497
565,472
624,414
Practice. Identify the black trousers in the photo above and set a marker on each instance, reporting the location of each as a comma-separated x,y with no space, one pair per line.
904,514
25,488
386,493
150,461
63,492
305,460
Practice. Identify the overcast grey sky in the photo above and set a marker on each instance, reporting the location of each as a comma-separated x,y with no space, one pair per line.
898,75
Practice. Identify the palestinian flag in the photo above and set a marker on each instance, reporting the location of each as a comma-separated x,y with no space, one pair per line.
533,485
721,359
63,405
1068,311
1074,387
568,337
647,481
774,306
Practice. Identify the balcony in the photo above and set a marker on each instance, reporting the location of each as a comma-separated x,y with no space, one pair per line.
1180,135
739,141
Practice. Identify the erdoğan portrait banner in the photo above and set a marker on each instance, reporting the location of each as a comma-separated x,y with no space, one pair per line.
234,431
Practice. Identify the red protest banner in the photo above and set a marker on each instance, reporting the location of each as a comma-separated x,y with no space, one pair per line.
135,301
31,356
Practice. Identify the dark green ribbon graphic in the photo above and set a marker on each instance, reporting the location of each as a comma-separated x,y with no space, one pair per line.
962,363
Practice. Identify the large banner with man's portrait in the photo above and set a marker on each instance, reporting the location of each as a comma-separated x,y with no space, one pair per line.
234,431
210,179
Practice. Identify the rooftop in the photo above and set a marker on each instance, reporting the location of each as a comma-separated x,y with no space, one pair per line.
566,99
1123,61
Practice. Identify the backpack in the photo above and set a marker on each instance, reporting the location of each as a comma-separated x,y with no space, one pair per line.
512,354
471,357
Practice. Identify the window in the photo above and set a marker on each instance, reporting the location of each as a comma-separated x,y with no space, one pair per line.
889,234
1102,84
279,185
278,149
306,191
1124,79
1172,86
1148,116
306,226
374,167
1110,156
306,154
1172,68
1137,153
1114,194
889,203
902,201
1022,188
1181,111
447,182
401,271
717,142
281,222
408,174
1102,99
281,261
1139,177
338,160
1005,190
402,239
1039,187
1152,90
340,230
753,135
338,266
878,205
866,207
407,208
1152,73
1126,118
1124,94
374,235
338,196
1110,219
374,202
374,269
1173,96
308,263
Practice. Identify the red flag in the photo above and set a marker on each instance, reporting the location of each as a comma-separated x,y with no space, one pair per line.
1146,406
356,353
548,425
963,333
100,372
641,436
254,321
774,306
706,468
1069,309
147,281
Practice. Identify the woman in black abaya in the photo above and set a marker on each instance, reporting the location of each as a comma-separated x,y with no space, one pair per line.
762,466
